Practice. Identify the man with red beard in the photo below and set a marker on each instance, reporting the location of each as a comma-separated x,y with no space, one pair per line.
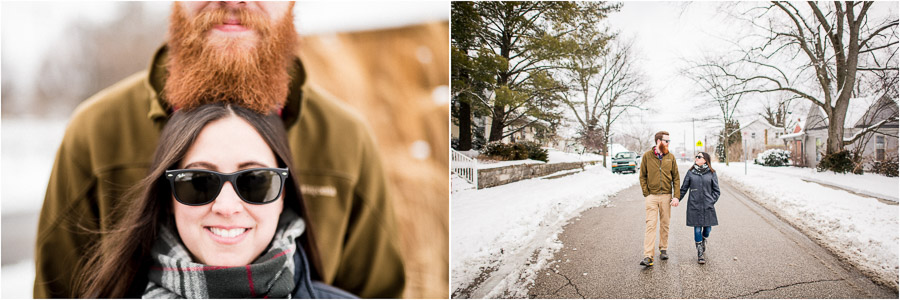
242,53
660,184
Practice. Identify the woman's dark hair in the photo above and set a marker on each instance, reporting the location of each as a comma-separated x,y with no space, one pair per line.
117,265
708,161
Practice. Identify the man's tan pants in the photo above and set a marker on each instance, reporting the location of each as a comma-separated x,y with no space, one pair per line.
658,209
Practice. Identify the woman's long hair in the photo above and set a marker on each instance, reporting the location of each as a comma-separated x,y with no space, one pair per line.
117,265
708,162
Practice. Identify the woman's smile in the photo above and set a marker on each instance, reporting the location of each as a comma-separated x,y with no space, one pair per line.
227,236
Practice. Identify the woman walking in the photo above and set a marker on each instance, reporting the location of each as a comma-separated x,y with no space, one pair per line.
703,183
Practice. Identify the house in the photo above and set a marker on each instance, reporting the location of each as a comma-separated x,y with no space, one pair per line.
808,145
761,136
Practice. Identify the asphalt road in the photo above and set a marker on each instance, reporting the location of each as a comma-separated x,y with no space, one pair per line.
752,254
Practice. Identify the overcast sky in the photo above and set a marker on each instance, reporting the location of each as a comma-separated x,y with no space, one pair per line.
665,34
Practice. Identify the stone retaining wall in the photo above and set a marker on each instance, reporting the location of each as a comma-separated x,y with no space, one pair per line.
502,175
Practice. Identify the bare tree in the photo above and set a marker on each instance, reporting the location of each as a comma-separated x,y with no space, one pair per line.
637,137
713,83
816,51
778,111
602,71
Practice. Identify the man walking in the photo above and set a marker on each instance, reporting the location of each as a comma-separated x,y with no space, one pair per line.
659,182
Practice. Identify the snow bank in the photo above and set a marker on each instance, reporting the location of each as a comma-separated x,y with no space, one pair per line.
860,229
18,280
28,150
458,183
553,156
502,236
559,156
871,184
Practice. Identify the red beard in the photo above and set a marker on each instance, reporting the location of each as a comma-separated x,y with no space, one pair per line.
663,148
256,76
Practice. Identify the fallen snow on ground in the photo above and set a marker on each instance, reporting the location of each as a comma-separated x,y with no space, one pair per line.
559,156
861,229
458,183
870,184
18,280
553,156
497,231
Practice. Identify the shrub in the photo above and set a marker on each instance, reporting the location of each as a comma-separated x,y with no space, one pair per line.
840,162
888,167
773,158
515,151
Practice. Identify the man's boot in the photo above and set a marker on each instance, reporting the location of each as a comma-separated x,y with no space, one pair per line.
663,255
700,258
704,245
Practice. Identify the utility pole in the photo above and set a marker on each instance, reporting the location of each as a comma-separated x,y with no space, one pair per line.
693,136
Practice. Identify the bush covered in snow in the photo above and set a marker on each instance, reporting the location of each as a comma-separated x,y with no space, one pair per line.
515,151
773,158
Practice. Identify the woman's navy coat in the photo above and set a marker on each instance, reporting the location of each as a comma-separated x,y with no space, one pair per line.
704,194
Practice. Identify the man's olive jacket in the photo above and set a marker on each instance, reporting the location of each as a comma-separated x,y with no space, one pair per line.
109,144
659,176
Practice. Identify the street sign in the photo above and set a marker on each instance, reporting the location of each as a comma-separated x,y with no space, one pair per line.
700,143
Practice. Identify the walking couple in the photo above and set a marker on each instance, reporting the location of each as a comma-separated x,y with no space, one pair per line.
659,179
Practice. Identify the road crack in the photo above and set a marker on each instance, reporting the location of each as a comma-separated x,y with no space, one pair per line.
570,283
784,286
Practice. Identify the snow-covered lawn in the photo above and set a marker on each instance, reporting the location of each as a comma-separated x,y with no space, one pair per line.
861,229
553,156
870,184
498,230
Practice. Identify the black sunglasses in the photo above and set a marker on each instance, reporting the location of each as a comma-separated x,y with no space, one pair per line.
667,141
699,156
196,187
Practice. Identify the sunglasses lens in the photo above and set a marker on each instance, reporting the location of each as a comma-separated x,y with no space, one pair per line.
259,186
196,188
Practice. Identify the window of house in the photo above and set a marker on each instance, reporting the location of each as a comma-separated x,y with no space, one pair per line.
879,147
818,149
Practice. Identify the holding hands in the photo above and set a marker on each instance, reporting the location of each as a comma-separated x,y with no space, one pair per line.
674,202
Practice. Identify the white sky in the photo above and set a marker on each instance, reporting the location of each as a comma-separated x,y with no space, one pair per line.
28,28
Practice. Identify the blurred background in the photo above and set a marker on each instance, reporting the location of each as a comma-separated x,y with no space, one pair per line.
389,60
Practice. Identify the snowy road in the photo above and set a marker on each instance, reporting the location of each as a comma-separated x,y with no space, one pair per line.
752,254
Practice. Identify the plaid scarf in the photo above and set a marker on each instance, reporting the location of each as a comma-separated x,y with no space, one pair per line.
700,169
175,275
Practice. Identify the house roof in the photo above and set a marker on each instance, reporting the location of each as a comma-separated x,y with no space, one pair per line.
760,120
792,135
855,110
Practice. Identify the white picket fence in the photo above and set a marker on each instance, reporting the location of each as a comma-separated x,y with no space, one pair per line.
465,167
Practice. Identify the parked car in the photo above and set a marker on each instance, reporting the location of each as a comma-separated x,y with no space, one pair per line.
626,162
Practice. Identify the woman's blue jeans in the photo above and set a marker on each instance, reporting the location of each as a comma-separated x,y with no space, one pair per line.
701,232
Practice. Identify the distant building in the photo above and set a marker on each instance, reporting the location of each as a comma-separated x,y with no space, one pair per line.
761,136
808,144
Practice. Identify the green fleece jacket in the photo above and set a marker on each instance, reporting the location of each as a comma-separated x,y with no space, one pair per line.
659,176
108,147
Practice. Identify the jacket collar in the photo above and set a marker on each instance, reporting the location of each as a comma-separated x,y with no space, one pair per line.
160,109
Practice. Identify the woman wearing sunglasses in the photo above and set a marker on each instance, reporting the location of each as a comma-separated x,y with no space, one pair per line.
703,183
219,216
